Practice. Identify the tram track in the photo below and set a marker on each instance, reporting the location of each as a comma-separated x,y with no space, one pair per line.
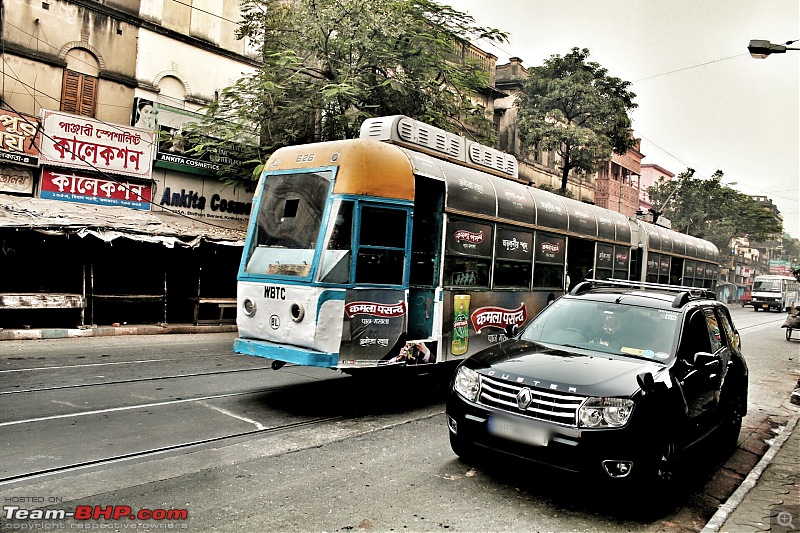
93,463
136,380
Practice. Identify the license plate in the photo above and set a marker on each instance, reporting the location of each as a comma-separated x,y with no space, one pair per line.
765,306
511,429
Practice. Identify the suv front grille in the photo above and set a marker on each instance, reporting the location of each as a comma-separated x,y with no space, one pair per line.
548,405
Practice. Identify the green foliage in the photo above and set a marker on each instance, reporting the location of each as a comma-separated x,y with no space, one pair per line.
327,65
707,209
573,107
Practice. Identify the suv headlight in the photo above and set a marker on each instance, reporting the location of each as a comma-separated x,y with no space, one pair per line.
605,412
467,383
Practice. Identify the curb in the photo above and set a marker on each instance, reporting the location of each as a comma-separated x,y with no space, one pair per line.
730,505
110,331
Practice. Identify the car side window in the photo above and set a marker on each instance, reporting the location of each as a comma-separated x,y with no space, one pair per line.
696,337
733,337
714,335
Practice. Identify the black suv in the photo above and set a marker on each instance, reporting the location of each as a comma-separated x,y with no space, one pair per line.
615,378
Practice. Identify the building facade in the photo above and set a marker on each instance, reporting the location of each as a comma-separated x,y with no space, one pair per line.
106,219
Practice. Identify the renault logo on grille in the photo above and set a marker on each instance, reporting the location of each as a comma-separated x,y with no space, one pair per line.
524,398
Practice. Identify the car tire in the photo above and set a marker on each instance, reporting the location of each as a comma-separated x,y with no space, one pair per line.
464,450
660,469
732,425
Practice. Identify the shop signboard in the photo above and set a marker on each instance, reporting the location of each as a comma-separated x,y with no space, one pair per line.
19,138
74,141
203,198
17,180
70,186
174,151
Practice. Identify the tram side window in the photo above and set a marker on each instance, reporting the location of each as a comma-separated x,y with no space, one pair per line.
381,255
467,262
335,263
621,255
653,262
513,259
548,271
604,262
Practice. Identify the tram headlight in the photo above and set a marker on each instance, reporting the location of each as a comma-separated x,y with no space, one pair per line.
467,383
297,312
248,307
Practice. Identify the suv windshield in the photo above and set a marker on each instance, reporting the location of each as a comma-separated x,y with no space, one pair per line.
288,223
606,327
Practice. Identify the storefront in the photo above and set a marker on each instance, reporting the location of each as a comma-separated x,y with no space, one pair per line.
93,236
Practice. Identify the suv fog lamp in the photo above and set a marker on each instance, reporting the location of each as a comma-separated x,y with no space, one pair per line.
249,307
617,468
605,412
467,383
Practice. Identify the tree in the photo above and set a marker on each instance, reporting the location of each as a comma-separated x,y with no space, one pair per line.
330,64
576,109
707,209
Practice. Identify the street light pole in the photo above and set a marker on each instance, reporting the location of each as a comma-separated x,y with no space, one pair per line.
760,49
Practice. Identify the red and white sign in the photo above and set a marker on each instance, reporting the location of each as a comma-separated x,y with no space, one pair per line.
463,235
498,317
74,187
376,309
80,142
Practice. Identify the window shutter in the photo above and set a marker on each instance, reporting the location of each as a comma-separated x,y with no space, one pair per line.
69,91
79,93
88,96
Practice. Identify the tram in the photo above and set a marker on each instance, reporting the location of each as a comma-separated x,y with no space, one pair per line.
411,245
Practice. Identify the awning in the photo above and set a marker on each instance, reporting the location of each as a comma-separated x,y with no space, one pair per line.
53,217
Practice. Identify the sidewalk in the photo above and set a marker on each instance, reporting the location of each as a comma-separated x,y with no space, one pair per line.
108,331
769,497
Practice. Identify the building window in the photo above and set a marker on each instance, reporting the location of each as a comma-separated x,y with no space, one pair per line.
79,93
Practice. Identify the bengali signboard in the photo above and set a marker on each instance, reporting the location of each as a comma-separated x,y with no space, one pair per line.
17,180
84,189
85,143
19,138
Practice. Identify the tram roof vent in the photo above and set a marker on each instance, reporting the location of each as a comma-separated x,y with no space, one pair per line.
415,134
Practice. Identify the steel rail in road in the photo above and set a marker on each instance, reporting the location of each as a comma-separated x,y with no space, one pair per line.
136,380
29,476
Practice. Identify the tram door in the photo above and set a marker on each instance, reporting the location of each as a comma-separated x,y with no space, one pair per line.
426,246
580,260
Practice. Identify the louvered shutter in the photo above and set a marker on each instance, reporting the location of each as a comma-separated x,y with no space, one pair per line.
88,96
79,93
70,91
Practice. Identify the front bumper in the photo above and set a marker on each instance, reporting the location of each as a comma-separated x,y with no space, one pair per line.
288,354
568,448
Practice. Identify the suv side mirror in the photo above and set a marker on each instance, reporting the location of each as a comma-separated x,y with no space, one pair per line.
512,330
706,359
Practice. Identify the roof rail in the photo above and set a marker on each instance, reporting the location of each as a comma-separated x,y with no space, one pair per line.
684,293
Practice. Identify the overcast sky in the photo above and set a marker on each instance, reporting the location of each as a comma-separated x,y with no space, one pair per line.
703,101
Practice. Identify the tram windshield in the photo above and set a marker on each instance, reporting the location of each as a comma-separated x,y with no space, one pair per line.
288,223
